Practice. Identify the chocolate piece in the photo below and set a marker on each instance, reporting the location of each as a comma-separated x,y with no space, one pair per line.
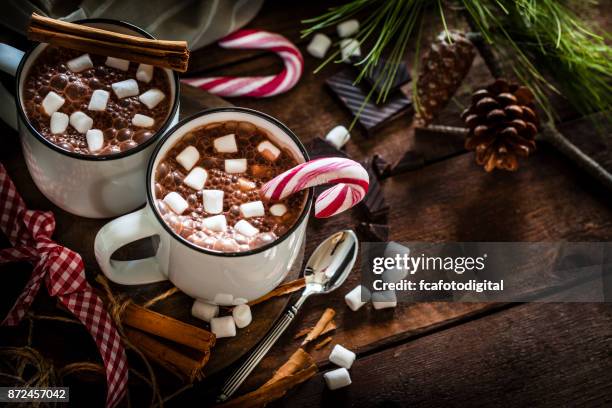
322,148
402,76
382,168
373,232
374,202
372,115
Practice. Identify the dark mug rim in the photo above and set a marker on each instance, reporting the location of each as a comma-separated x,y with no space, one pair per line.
90,157
180,239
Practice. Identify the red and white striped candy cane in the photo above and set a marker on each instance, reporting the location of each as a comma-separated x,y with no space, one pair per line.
256,86
351,179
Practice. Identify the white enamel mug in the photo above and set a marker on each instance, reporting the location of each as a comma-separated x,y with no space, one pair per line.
209,276
85,185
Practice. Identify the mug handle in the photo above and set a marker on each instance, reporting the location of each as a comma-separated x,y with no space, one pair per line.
119,232
10,57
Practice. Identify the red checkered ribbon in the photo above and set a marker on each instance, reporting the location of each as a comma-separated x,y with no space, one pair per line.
63,273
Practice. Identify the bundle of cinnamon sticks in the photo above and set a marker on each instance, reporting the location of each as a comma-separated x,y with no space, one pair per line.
160,53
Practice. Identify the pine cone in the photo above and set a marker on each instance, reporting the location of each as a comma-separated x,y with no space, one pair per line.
503,124
443,68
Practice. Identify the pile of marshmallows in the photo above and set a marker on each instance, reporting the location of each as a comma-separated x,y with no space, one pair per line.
81,122
349,47
213,199
224,326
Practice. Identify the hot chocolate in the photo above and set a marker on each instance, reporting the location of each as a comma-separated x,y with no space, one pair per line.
91,104
207,187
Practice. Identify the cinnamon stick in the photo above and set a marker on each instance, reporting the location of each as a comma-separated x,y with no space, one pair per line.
281,290
316,331
328,327
323,343
168,328
181,365
298,361
167,54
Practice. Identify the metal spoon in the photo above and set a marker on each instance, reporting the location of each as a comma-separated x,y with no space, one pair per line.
326,270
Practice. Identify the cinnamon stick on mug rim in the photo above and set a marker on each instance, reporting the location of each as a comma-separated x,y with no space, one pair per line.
160,53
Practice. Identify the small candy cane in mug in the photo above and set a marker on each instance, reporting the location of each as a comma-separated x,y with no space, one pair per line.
350,177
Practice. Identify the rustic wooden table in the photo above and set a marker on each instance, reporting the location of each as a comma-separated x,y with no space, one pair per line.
425,354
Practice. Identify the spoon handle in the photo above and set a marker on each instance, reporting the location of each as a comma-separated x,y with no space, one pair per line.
238,377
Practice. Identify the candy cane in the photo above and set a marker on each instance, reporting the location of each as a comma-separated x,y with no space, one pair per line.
351,180
256,86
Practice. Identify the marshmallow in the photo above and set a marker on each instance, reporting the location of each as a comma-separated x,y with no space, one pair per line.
98,101
143,121
242,316
223,326
384,299
235,165
213,201
80,63
204,311
215,223
252,209
117,63
95,140
176,202
196,178
394,275
226,144
245,228
144,73
126,88
349,48
59,122
338,136
268,150
188,157
52,103
224,299
342,356
348,28
337,378
81,122
357,297
278,210
152,97
246,185
319,45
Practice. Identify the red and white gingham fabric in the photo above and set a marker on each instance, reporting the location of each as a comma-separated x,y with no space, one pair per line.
256,86
63,272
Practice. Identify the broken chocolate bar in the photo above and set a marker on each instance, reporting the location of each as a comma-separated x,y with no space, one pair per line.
377,76
374,202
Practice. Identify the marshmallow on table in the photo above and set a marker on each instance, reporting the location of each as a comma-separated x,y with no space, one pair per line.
357,297
144,73
152,97
52,103
342,356
215,223
176,202
223,326
348,28
226,144
143,121
384,299
242,316
337,378
204,311
124,89
59,122
117,63
245,228
80,121
268,150
95,140
394,275
338,136
319,45
213,201
349,48
188,157
196,178
235,165
278,210
98,101
252,209
80,63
